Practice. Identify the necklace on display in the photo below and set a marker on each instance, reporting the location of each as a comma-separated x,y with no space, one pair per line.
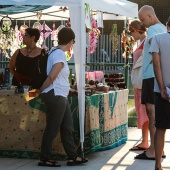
29,51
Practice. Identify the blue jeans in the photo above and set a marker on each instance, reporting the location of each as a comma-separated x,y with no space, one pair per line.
58,118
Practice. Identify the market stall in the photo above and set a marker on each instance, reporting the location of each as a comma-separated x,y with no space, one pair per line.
22,124
77,17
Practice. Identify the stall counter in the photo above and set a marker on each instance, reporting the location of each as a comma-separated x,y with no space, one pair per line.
22,124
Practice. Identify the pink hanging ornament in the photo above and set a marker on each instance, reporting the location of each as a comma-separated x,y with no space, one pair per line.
93,36
54,33
23,28
45,31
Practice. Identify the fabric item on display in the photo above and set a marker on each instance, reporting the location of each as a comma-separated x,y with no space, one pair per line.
136,75
99,75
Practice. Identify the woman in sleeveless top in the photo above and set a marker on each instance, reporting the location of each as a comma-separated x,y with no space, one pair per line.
137,30
23,60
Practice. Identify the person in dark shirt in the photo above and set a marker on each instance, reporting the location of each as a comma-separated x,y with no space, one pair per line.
23,60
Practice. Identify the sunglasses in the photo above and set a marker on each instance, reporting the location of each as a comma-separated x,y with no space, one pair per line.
74,41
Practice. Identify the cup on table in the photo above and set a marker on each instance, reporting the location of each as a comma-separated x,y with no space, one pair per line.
25,88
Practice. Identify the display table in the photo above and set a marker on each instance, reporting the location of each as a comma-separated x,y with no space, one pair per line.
22,124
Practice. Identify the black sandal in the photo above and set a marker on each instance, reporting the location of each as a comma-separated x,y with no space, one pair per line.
76,161
49,163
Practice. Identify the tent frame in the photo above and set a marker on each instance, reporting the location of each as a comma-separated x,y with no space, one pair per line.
77,18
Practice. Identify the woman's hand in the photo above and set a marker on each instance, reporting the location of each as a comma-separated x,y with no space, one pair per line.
38,91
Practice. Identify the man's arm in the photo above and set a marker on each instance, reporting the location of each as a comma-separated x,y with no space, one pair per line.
158,74
150,40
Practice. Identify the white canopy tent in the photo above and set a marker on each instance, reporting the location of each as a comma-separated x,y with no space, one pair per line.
77,17
55,13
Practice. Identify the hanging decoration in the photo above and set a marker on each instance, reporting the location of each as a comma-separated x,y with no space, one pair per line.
69,53
99,18
37,25
45,31
40,42
5,43
93,36
55,42
39,15
68,24
87,16
6,24
127,43
10,39
63,8
54,33
114,38
23,28
16,42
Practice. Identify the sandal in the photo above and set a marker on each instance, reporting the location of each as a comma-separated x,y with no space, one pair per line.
76,161
49,163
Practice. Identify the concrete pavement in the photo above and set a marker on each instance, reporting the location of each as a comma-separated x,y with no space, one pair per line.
116,159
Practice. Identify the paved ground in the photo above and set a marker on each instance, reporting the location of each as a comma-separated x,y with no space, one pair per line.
116,159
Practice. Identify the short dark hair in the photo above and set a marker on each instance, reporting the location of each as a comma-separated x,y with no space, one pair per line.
33,32
168,22
65,35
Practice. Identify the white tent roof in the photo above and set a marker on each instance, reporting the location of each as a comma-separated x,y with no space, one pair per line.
118,7
51,13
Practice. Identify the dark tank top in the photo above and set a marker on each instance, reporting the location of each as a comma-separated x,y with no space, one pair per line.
24,65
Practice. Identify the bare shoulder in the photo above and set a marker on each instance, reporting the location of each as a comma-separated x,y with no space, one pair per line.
13,59
15,53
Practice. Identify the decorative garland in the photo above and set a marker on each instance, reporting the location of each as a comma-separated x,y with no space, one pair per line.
127,43
93,36
114,38
11,39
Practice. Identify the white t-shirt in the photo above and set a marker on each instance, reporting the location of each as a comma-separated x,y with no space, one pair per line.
161,45
61,84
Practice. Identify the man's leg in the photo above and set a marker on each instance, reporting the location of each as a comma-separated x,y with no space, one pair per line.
150,109
159,146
